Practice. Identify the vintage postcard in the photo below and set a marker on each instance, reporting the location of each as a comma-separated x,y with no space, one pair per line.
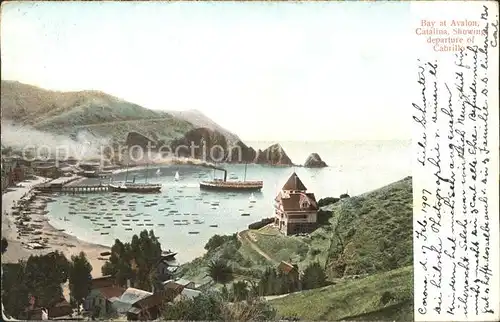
250,161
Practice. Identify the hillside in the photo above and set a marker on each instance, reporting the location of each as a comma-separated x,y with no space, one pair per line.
200,120
365,234
372,232
385,296
100,114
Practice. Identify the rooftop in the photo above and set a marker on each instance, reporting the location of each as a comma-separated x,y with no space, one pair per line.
182,282
190,293
109,292
132,295
294,184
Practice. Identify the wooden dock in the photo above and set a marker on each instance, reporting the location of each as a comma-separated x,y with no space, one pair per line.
73,189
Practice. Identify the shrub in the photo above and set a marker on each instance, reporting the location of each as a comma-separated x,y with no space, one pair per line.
261,223
217,240
327,201
324,217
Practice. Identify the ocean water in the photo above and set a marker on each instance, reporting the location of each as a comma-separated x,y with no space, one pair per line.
182,214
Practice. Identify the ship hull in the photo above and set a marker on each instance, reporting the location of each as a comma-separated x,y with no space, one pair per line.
137,189
226,186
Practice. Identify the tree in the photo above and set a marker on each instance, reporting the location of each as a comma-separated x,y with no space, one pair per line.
219,271
40,276
80,279
14,290
5,243
314,276
240,291
43,275
135,260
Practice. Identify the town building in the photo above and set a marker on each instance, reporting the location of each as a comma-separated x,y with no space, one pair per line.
14,170
103,291
126,301
296,210
147,309
59,309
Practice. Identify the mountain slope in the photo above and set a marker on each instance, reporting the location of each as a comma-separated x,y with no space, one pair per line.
67,113
200,120
372,232
96,115
385,296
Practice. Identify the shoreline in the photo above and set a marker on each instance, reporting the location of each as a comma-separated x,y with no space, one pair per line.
35,210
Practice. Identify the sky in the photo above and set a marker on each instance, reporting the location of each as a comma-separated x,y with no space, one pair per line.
265,71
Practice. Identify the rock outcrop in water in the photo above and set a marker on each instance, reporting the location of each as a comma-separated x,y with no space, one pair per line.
314,161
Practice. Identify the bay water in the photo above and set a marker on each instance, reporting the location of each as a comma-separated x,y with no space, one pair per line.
185,217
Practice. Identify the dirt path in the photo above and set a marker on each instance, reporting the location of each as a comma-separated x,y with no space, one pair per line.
244,237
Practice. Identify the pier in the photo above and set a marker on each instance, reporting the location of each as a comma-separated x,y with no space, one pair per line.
73,189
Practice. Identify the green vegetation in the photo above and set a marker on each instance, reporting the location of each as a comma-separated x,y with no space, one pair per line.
387,296
219,271
313,277
80,279
39,276
214,306
135,261
327,201
100,114
372,232
259,224
358,235
241,261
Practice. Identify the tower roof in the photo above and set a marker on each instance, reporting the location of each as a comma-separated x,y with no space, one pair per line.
294,183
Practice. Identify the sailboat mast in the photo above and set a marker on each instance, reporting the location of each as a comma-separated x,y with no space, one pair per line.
245,178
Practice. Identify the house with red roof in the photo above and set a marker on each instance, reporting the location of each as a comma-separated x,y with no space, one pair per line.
296,209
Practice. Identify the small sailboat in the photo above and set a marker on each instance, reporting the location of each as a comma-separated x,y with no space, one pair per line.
177,176
158,172
252,198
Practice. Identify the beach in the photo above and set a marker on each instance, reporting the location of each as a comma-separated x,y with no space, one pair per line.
56,240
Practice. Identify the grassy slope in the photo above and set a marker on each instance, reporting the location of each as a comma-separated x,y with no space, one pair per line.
246,263
367,234
387,296
372,232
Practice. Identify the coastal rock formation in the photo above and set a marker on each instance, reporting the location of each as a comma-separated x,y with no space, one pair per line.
203,144
273,155
314,161
241,153
212,146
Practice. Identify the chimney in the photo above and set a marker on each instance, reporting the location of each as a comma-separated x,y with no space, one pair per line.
128,283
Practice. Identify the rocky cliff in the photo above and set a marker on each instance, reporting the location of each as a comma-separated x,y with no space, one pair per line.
212,146
314,161
274,155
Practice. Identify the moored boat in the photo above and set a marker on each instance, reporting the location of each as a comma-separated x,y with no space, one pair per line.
225,185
